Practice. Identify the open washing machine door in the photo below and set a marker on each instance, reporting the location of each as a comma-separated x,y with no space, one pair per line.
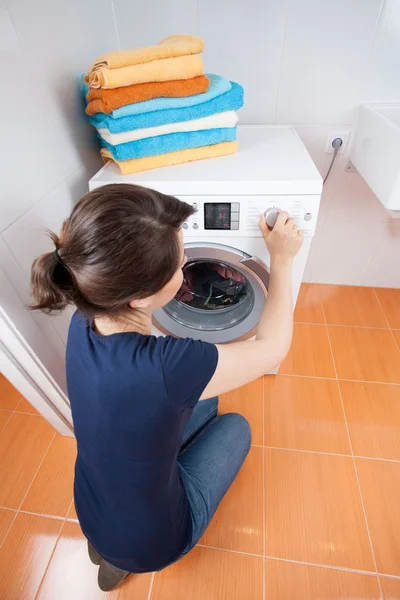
221,298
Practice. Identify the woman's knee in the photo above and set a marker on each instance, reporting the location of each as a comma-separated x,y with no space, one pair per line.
239,428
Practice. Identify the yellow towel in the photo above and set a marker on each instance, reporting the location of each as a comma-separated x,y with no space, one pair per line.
165,69
171,158
174,45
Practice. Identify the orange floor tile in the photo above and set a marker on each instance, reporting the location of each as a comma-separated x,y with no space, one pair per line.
348,305
380,487
313,511
304,414
304,520
51,490
9,396
24,442
373,417
207,574
248,401
308,307
310,353
390,588
71,576
291,581
365,354
390,302
25,407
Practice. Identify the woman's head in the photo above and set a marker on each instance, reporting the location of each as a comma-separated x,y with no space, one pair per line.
121,247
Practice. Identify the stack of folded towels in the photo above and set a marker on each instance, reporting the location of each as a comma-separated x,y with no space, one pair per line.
154,106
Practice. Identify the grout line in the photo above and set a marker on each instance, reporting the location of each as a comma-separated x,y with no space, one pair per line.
389,576
8,420
264,586
391,460
229,550
353,459
151,586
297,562
27,491
332,567
340,325
278,87
115,25
334,379
386,319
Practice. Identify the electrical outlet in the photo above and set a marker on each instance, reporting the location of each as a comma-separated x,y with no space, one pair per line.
343,135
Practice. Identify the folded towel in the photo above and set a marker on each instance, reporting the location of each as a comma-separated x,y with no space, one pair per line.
172,158
174,45
217,121
107,100
165,69
163,144
230,100
218,85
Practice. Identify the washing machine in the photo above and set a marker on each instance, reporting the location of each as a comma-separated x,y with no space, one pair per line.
226,276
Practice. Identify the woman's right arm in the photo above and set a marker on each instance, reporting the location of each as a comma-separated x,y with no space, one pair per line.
242,362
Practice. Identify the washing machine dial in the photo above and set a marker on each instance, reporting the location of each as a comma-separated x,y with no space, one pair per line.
271,215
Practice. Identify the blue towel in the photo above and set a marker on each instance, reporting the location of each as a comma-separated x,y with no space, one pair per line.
218,85
161,144
230,100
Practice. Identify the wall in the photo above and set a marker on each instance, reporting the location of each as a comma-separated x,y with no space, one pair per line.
307,62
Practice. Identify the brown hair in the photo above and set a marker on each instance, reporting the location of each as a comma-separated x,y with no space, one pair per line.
119,243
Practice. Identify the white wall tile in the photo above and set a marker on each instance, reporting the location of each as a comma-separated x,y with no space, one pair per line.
146,23
30,165
325,49
243,41
61,39
381,81
354,201
384,270
27,238
345,250
36,328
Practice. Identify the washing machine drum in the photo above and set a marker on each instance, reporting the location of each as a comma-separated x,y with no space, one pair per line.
221,297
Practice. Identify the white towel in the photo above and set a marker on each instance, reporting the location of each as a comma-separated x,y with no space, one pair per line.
228,118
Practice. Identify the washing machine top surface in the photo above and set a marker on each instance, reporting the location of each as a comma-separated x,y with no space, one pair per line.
270,160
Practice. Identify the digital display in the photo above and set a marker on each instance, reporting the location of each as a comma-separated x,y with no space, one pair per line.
217,215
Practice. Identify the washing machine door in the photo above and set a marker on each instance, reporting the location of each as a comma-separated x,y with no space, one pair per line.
221,298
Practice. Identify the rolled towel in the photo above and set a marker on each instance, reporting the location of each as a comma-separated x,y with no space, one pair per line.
217,121
165,69
163,144
218,85
174,45
230,100
136,165
107,100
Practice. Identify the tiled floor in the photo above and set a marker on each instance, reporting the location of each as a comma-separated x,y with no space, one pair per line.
314,513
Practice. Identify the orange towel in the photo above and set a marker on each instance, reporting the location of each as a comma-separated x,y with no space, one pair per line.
174,45
171,158
165,69
107,100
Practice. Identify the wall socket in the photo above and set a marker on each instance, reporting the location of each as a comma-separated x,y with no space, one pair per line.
343,135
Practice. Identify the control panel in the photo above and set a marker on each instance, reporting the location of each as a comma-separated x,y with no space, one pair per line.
239,216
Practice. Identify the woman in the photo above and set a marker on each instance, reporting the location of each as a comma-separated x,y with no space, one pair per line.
153,462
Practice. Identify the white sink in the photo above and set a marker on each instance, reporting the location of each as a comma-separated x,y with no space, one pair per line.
375,151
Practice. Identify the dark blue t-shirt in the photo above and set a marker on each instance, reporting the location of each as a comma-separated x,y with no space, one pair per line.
131,398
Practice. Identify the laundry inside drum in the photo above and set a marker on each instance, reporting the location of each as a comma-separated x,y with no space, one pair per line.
213,296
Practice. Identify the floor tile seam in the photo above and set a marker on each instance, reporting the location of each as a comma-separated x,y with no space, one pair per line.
391,460
387,321
336,379
341,325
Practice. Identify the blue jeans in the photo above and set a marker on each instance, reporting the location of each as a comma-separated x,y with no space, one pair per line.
213,451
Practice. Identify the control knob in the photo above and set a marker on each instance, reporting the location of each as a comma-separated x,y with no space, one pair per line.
271,215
